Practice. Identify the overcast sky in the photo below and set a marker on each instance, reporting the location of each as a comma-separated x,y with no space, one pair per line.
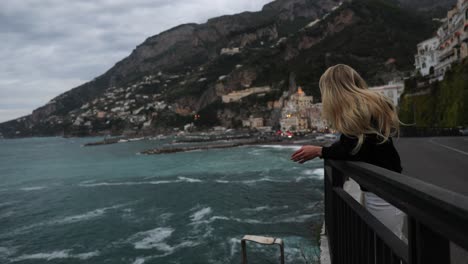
50,46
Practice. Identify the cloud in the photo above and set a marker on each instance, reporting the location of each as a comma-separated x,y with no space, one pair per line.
50,46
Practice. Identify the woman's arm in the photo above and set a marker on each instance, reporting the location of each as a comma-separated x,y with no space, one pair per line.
306,153
340,150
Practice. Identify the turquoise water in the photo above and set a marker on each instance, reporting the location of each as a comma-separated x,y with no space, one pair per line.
63,203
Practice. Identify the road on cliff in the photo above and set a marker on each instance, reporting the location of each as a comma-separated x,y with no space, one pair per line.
442,161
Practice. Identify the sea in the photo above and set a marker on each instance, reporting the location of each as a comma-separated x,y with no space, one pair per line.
61,202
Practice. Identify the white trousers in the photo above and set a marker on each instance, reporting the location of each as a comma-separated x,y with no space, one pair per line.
388,214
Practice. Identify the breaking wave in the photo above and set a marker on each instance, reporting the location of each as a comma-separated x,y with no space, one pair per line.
32,188
156,239
290,219
311,174
198,215
179,180
62,254
292,147
65,220
265,208
152,238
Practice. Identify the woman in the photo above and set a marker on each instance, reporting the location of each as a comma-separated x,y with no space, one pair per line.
366,120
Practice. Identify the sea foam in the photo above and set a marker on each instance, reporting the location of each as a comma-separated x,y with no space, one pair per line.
87,215
65,220
32,188
314,173
265,208
156,239
198,215
5,252
61,254
139,261
132,183
292,147
153,238
185,179
263,179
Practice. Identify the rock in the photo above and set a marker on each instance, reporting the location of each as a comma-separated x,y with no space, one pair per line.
230,51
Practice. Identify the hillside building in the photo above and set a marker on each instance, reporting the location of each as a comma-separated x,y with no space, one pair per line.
253,122
294,115
392,90
427,56
230,51
289,123
238,95
436,55
301,100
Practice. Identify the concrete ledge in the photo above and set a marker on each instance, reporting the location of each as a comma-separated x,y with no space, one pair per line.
324,251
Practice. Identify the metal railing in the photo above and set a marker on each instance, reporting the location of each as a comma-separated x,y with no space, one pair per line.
436,217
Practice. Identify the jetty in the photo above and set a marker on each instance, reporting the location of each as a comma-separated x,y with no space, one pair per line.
214,145
109,141
106,141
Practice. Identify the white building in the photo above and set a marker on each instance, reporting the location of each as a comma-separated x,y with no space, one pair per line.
253,122
451,44
289,123
392,90
301,100
238,95
427,57
230,51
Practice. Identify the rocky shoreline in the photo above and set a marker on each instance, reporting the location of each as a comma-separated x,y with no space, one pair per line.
165,150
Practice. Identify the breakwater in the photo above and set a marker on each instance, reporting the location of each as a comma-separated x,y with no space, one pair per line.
213,145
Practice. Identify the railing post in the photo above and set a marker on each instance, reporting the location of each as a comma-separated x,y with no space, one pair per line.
425,245
333,179
244,252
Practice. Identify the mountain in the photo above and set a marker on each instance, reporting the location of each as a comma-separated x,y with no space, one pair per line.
188,69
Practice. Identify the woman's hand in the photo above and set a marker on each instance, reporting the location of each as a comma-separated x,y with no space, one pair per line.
306,153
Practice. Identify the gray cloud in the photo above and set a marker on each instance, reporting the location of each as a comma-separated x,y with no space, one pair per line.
50,46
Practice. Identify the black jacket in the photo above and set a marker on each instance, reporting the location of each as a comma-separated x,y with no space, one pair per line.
372,151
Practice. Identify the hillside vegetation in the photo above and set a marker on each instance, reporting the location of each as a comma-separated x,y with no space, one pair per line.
444,104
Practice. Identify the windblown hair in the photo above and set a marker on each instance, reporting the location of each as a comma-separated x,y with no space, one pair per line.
354,110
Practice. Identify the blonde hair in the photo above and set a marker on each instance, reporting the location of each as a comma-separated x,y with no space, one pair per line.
354,110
